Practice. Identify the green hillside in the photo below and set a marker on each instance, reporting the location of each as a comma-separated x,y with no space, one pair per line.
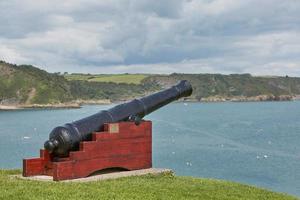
206,85
110,90
25,84
146,187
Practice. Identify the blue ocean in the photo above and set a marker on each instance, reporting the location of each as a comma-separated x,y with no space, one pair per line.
256,143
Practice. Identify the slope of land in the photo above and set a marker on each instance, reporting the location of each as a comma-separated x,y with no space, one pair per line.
28,86
207,87
164,186
106,78
25,84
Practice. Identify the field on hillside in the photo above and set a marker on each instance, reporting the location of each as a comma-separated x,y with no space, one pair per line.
164,186
115,78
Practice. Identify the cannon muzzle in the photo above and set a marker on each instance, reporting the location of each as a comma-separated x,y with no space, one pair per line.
66,138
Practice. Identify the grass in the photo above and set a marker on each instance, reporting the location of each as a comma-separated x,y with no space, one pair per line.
164,186
115,78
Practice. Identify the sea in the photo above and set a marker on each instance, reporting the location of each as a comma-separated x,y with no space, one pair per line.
256,143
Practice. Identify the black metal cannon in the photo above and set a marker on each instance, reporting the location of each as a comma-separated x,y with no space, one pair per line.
64,139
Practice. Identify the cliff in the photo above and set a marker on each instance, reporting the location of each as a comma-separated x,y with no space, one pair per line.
27,86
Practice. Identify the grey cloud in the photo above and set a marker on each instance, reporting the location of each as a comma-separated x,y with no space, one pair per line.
227,36
166,8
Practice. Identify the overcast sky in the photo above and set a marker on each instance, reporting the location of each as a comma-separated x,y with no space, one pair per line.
260,37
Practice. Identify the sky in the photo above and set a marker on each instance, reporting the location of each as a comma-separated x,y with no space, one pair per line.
261,37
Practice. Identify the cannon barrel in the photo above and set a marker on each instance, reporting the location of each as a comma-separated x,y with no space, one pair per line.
66,138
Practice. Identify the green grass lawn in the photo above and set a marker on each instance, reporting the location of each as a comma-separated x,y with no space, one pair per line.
115,78
164,186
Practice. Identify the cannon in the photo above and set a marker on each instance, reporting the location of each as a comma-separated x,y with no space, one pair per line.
66,138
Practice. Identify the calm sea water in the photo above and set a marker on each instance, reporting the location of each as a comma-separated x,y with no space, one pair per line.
252,143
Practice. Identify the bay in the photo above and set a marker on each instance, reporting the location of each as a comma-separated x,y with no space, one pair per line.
255,143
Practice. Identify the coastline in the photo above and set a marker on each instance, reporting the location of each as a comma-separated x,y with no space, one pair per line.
38,106
78,103
68,105
259,98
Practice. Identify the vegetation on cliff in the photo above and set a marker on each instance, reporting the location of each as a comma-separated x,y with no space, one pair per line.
234,85
109,90
27,85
